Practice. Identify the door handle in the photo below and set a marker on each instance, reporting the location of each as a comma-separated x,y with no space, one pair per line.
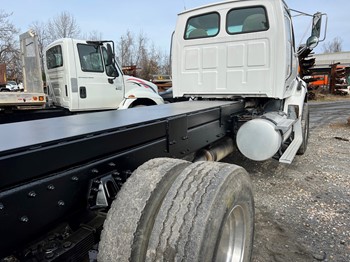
82,92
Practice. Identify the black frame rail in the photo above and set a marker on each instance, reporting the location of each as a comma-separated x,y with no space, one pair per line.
47,165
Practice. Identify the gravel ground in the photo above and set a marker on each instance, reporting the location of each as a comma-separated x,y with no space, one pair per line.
303,209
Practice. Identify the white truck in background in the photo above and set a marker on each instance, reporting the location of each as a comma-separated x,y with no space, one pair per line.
84,76
81,76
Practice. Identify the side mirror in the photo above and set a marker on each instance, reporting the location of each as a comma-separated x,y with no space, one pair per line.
316,25
109,55
312,42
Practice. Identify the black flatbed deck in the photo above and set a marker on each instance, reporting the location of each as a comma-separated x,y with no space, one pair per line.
16,136
48,145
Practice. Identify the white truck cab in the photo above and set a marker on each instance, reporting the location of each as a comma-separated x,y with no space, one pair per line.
240,48
84,76
245,49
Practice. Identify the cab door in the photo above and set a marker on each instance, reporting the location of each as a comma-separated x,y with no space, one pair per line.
100,86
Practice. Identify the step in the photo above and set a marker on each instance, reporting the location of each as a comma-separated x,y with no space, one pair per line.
291,151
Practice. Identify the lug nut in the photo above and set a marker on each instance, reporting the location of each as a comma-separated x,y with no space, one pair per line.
49,255
32,194
115,173
67,244
24,219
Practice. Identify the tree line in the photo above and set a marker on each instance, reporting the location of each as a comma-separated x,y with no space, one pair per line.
9,51
131,49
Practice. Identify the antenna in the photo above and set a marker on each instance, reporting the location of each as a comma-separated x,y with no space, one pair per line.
184,1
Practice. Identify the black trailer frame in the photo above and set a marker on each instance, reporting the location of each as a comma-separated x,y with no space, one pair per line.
51,169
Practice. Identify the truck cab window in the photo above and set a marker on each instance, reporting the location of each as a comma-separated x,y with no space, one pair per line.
201,26
246,20
54,57
90,58
289,44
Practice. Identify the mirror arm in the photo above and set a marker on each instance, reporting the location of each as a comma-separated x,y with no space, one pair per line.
317,24
325,28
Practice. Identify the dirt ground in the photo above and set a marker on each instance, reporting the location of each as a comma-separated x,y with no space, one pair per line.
302,210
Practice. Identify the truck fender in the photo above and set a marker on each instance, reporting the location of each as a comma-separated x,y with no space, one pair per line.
140,99
298,97
141,92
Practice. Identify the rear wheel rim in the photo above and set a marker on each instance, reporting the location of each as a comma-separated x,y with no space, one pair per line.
232,241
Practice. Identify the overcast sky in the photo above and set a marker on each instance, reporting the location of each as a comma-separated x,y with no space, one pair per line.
157,18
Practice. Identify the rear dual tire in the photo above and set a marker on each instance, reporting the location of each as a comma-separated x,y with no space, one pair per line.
174,210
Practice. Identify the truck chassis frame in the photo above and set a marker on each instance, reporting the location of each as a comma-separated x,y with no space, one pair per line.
52,178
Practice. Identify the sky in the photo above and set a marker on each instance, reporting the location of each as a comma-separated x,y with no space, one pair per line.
156,18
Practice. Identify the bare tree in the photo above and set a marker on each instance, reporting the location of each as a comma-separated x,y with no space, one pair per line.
150,63
165,64
140,49
9,50
125,48
41,31
333,46
63,25
94,35
139,52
